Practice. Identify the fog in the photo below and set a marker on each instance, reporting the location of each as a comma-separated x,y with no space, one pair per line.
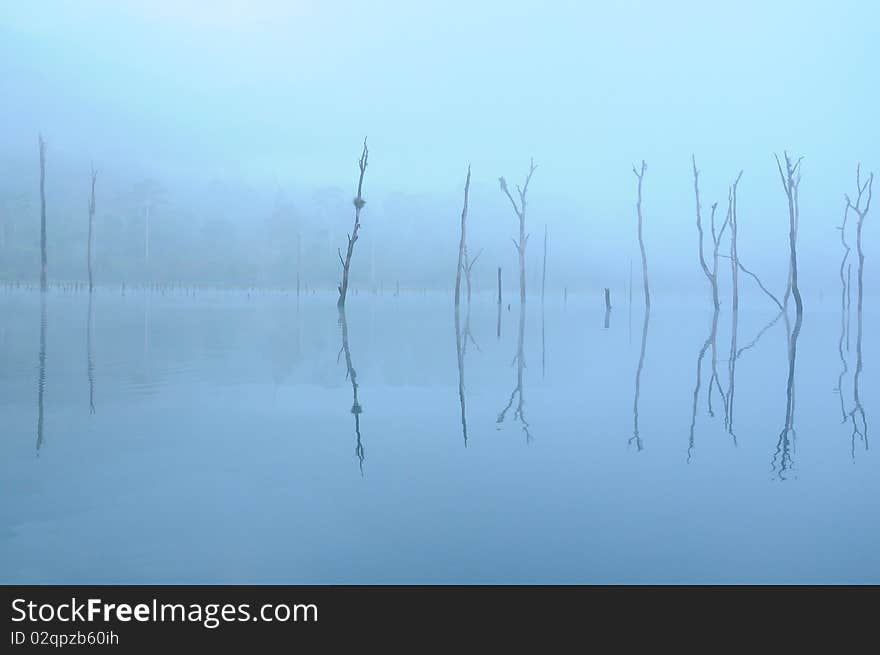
239,124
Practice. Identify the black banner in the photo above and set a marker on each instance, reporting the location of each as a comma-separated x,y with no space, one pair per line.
149,618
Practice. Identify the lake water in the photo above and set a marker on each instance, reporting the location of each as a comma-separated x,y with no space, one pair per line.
218,438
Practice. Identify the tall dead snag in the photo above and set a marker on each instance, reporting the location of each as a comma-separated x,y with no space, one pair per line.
359,203
736,262
711,275
641,175
520,211
791,179
44,267
90,247
734,314
462,244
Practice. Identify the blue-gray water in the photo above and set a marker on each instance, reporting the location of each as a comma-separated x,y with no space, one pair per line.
222,446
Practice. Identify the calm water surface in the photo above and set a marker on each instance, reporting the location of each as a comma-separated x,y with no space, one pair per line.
235,438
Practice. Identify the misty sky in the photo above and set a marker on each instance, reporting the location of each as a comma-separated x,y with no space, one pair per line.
284,92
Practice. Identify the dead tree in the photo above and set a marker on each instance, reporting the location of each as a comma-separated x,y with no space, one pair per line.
359,203
520,211
717,235
462,244
641,175
735,261
711,275
44,267
791,179
90,247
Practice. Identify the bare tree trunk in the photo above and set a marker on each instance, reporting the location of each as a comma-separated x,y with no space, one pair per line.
90,253
298,260
520,211
703,265
791,180
712,275
462,244
640,175
44,267
353,237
